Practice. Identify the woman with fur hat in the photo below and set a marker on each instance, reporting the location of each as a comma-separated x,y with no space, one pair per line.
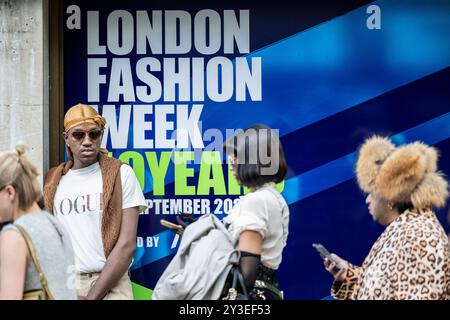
411,258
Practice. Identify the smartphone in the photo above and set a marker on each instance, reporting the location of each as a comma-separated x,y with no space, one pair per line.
171,225
325,253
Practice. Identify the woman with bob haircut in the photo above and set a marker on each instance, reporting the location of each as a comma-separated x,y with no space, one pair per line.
259,221
35,252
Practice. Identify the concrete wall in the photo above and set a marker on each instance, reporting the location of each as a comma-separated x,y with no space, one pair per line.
24,77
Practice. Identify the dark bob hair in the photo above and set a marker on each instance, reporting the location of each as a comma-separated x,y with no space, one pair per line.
260,156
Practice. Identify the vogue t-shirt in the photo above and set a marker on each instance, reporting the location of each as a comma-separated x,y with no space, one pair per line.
78,206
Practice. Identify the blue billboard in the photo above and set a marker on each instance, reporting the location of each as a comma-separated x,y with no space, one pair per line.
176,78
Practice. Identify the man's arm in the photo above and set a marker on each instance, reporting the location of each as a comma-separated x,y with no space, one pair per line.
120,257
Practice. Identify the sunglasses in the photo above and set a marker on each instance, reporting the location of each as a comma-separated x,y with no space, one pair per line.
93,135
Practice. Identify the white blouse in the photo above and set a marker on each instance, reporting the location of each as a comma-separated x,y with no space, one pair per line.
266,212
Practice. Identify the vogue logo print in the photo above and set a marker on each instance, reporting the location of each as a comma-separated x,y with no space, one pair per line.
81,204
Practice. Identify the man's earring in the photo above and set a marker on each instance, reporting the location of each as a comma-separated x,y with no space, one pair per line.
390,206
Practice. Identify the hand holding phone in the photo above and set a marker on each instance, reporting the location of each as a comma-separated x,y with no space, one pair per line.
324,253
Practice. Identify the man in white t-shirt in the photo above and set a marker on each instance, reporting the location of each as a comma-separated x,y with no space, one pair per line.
98,200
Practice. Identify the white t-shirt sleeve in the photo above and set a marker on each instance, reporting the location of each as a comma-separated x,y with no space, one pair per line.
132,195
252,216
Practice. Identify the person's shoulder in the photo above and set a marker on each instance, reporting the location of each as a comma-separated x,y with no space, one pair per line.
127,175
32,219
269,193
255,198
424,224
10,236
7,228
109,164
58,166
251,196
12,242
53,171
44,214
126,170
423,231
108,160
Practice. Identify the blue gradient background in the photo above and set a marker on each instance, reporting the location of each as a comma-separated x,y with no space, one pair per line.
328,83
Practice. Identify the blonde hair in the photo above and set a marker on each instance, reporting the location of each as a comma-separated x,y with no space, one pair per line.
21,173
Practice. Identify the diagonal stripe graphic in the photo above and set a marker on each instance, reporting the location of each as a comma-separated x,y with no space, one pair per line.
341,63
337,65
341,170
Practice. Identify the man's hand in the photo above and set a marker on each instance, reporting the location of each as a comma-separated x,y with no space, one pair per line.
82,298
339,275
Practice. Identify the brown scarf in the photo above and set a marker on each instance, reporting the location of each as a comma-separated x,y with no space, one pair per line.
112,196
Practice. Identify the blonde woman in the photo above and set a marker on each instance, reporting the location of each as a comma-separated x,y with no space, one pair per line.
30,239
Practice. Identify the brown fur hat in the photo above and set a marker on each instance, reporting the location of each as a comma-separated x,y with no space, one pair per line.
372,155
407,174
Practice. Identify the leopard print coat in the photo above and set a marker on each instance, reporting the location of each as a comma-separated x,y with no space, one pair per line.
410,260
